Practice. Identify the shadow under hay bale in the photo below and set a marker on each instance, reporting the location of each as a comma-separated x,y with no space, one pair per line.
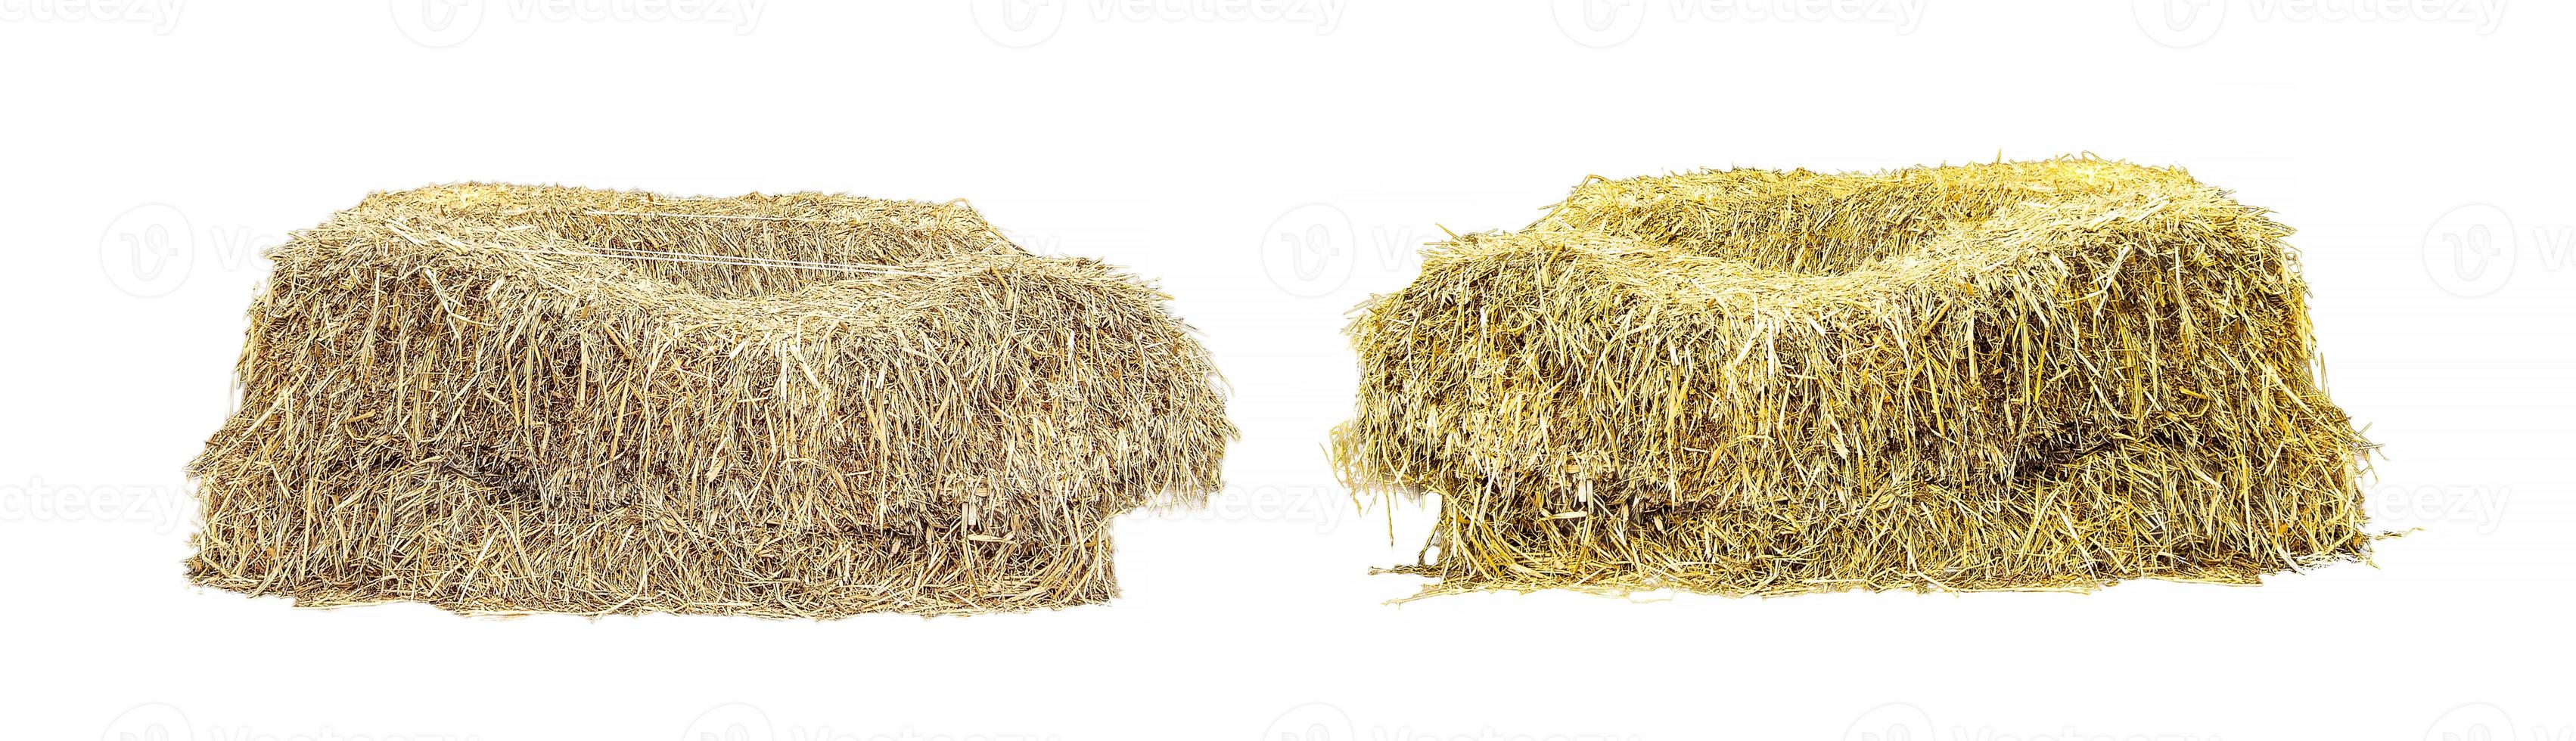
511,399
2045,375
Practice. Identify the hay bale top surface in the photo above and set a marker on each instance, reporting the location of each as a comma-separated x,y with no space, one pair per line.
1777,244
764,267
885,356
1827,223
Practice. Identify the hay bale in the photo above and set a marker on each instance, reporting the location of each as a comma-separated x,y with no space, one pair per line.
501,398
2012,376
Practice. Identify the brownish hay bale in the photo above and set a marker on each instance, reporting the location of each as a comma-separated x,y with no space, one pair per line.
500,398
2033,375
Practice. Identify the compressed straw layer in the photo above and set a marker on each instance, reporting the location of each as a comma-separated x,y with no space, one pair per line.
508,399
2040,375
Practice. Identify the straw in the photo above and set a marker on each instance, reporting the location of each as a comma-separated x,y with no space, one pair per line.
2040,375
507,399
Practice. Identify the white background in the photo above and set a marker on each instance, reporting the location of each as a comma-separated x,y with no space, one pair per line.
2420,149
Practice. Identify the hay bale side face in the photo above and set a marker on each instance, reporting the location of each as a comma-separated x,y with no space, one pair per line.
1998,377
503,398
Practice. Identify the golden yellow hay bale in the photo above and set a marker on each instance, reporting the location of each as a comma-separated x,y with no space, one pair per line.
2013,376
507,399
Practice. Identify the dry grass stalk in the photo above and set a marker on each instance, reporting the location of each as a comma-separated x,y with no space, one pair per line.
2043,375
515,399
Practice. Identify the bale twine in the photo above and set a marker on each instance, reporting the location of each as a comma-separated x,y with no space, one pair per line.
497,398
2043,375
